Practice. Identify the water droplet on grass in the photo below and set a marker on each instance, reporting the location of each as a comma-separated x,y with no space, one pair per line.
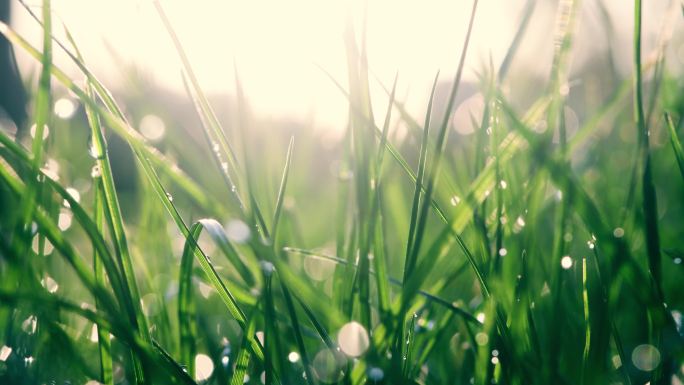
169,196
64,220
96,172
152,127
619,232
455,200
64,108
328,366
46,131
29,324
293,357
375,374
5,351
646,357
237,231
75,195
566,262
204,367
49,284
353,339
481,338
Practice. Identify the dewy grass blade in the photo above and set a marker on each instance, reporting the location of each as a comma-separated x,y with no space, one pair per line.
439,149
242,361
422,158
103,340
40,128
676,144
281,192
187,324
650,205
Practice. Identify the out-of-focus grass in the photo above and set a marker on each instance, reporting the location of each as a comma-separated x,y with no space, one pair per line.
536,249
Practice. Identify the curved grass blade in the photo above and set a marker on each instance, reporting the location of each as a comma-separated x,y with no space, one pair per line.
242,360
676,144
281,192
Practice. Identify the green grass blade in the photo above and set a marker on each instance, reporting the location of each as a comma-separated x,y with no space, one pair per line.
281,192
676,144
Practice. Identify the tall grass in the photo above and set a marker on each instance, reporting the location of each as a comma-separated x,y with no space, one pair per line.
518,254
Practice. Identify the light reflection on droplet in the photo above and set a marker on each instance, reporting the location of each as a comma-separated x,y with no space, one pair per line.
64,220
29,324
237,231
353,339
375,374
617,362
480,317
152,127
481,338
646,357
328,366
619,232
503,252
49,284
47,246
204,367
260,337
64,108
96,172
293,357
74,194
566,262
267,268
455,200
94,337
51,169
5,351
46,131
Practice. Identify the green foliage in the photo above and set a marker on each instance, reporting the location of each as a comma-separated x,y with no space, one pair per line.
522,253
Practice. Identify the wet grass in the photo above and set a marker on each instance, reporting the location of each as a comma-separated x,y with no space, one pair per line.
526,252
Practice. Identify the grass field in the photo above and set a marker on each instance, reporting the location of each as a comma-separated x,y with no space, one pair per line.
542,243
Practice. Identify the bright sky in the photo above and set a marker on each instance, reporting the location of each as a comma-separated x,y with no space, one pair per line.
278,45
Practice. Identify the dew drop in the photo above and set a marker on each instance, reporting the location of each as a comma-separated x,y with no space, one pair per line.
293,357
29,324
646,357
5,351
480,317
94,336
49,284
152,127
566,262
503,252
481,338
353,339
267,268
46,131
375,374
204,367
237,231
503,184
96,172
169,197
75,195
455,200
619,232
64,108
64,220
